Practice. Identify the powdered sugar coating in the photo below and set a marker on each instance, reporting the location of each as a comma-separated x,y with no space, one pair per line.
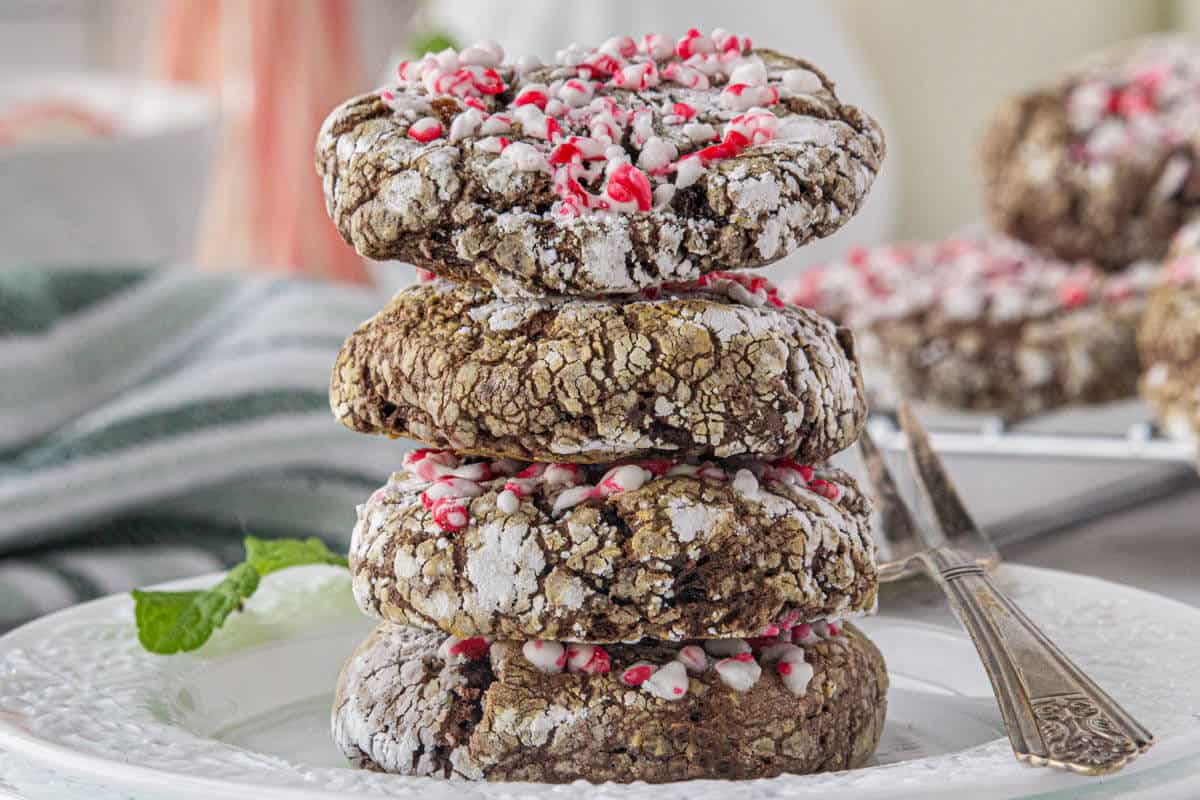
983,322
621,565
605,172
718,368
401,708
981,278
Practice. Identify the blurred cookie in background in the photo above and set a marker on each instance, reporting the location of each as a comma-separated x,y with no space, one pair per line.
1099,164
1169,340
981,322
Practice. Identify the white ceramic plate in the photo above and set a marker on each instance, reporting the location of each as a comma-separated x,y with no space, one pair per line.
84,712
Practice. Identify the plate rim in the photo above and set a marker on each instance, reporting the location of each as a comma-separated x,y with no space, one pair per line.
62,759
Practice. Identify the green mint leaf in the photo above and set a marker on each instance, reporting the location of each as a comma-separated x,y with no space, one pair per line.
270,555
173,622
431,42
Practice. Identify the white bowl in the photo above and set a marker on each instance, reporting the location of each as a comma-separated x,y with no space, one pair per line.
130,198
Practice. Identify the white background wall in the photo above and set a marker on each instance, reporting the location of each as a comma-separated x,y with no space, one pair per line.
938,67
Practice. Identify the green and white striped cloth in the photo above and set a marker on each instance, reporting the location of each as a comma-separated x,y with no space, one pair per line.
151,419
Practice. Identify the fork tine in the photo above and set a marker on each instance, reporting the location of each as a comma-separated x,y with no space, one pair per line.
935,484
899,528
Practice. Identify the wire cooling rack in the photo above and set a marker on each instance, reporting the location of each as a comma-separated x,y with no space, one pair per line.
1056,472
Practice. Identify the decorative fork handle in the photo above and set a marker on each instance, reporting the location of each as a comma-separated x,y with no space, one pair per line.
1053,713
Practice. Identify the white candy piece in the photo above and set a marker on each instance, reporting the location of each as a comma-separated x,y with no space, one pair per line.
482,54
445,654
508,502
657,154
796,673
744,480
658,47
576,93
780,652
546,656
526,157
465,124
453,487
571,498
746,98
801,81
720,648
559,474
663,194
688,171
624,479
470,472
489,145
737,674
578,656
494,125
752,72
669,682
699,132
692,657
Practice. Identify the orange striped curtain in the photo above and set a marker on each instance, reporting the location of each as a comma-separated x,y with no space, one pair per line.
279,66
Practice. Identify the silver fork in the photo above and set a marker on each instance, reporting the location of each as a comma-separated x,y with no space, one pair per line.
1054,714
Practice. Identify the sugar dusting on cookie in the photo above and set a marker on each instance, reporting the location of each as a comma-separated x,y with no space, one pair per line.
965,278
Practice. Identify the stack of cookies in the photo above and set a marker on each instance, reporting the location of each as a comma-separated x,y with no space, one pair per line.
622,555
1086,180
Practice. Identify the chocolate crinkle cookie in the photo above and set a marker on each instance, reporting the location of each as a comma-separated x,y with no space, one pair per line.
671,550
1101,165
717,368
614,168
1170,341
807,698
982,322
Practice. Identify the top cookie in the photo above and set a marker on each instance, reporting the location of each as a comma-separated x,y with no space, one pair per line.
1099,165
613,169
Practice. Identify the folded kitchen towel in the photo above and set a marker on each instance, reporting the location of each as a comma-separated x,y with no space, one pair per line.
151,419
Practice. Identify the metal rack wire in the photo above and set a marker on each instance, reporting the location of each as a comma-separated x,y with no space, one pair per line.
1159,467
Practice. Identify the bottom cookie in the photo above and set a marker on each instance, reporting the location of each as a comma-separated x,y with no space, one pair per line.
808,699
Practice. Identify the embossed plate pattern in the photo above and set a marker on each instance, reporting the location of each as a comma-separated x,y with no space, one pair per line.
85,713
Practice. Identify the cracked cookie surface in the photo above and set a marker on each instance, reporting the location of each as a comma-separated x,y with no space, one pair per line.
1101,164
1169,341
670,551
610,170
712,371
402,706
985,323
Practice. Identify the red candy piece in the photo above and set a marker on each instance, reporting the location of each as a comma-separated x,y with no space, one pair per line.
627,183
598,664
783,668
759,642
425,133
1073,295
656,466
449,514
825,488
636,676
683,110
473,648
743,657
532,97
